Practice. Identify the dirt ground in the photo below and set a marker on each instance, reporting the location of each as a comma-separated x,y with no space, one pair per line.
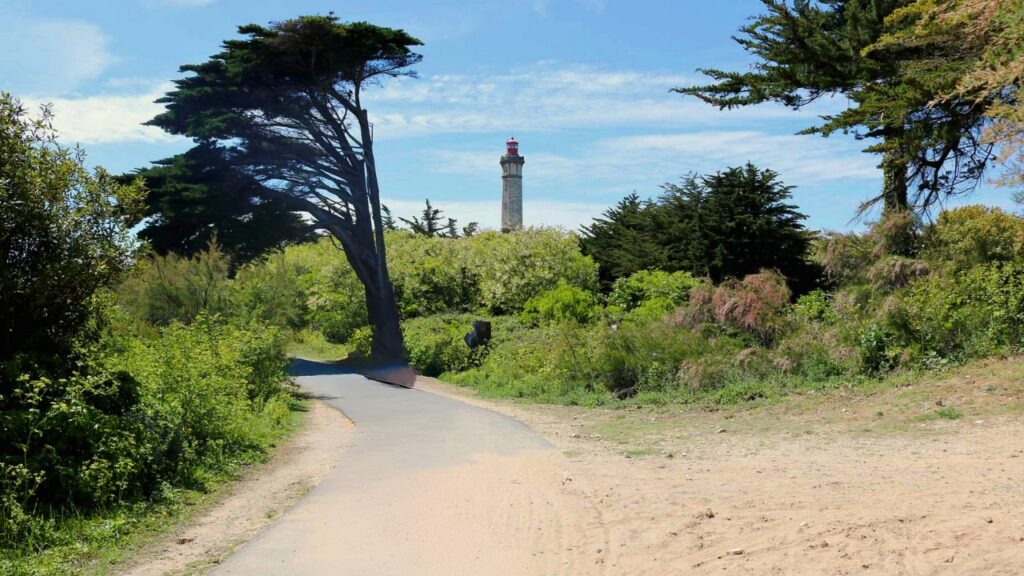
854,483
253,502
871,482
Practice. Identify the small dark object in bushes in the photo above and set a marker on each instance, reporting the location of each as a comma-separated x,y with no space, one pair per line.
480,335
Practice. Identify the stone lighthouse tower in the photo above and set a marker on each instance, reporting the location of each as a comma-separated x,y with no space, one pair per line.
512,187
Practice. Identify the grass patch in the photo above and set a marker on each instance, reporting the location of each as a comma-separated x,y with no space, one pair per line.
311,345
946,413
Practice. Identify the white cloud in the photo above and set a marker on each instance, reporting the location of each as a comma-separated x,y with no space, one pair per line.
51,56
546,97
487,213
619,164
108,118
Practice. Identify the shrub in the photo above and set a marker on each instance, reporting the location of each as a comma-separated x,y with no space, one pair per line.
360,343
755,305
65,235
814,351
878,348
893,272
431,275
544,364
972,235
815,306
207,391
845,258
170,288
971,314
672,289
516,267
271,291
564,302
436,344
335,299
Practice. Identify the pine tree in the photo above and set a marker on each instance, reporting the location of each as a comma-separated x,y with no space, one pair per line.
196,196
809,50
430,225
623,240
728,224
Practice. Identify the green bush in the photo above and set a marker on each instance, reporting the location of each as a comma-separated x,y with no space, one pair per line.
972,235
516,267
170,288
146,413
668,289
562,303
432,275
548,364
815,306
975,313
436,344
360,343
271,291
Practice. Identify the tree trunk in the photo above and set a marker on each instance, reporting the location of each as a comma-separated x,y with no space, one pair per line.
894,184
387,345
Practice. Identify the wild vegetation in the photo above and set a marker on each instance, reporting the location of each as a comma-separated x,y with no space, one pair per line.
120,389
133,374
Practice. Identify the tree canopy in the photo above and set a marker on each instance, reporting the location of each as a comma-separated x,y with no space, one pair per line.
807,50
286,104
195,197
723,225
981,39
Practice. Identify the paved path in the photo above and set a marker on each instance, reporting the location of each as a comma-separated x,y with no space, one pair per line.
429,485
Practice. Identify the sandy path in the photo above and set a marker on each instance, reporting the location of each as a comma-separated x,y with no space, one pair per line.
439,482
946,500
429,486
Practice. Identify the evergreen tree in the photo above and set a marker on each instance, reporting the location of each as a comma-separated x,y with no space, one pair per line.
728,224
196,196
733,223
286,103
980,40
430,225
807,50
624,240
387,219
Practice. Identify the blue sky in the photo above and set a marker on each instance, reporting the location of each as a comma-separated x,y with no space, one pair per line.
582,84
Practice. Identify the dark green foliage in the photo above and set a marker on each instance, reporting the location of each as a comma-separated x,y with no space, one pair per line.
806,50
63,235
734,223
625,240
728,224
285,102
195,197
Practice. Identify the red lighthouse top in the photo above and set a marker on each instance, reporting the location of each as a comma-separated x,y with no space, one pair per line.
512,147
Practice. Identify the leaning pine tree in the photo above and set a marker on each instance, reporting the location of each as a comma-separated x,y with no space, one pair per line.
285,104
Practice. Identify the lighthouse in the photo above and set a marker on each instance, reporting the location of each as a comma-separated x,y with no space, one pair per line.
512,187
